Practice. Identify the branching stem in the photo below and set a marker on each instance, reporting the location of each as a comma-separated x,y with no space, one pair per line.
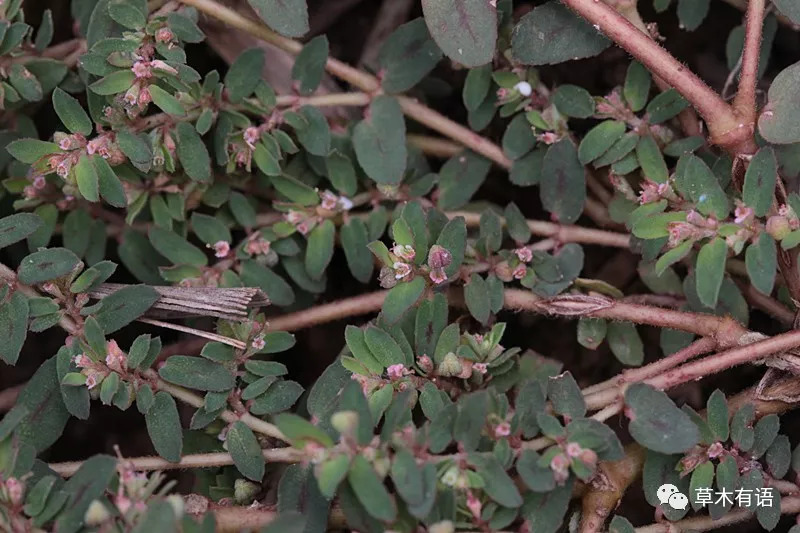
745,102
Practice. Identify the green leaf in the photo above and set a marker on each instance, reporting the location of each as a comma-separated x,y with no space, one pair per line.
597,436
279,397
110,186
380,141
759,181
88,484
166,102
574,101
702,477
71,113
16,227
637,86
565,395
696,181
331,473
453,239
498,485
656,226
124,306
518,138
210,229
369,490
342,173
459,179
299,431
563,185
625,343
591,332
127,14
665,106
45,265
245,451
789,8
354,240
114,83
309,65
691,13
465,30
319,250
245,73
184,28
599,140
192,153
742,433
136,148
26,84
384,347
765,432
476,87
197,373
86,177
401,298
476,296
761,259
717,414
287,17
30,151
710,271
358,347
164,427
551,33
656,423
651,160
176,248
13,326
253,274
407,56
471,419
315,136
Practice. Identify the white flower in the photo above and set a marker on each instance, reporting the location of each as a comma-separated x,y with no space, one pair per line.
524,88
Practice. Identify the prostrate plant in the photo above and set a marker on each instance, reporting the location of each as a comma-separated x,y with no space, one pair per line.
237,197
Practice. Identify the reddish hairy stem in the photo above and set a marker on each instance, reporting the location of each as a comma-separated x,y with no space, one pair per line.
745,102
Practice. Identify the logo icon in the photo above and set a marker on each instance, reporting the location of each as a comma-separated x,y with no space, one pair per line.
668,494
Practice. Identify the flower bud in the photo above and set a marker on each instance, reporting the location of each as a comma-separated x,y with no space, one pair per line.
450,365
439,257
96,514
425,363
438,276
345,422
244,491
386,278
445,526
504,271
778,227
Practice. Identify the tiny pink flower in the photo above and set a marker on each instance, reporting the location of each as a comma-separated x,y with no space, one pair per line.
743,214
65,143
588,457
251,136
258,342
115,357
15,490
164,35
438,276
304,227
547,137
123,503
503,429
502,93
396,371
29,191
480,368
63,169
91,381
221,249
524,254
82,361
520,271
425,363
439,257
574,449
404,252
39,182
715,450
559,464
651,192
401,270
144,96
474,505
141,69
294,217
329,201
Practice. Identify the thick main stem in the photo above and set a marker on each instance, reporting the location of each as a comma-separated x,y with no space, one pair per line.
718,114
745,102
